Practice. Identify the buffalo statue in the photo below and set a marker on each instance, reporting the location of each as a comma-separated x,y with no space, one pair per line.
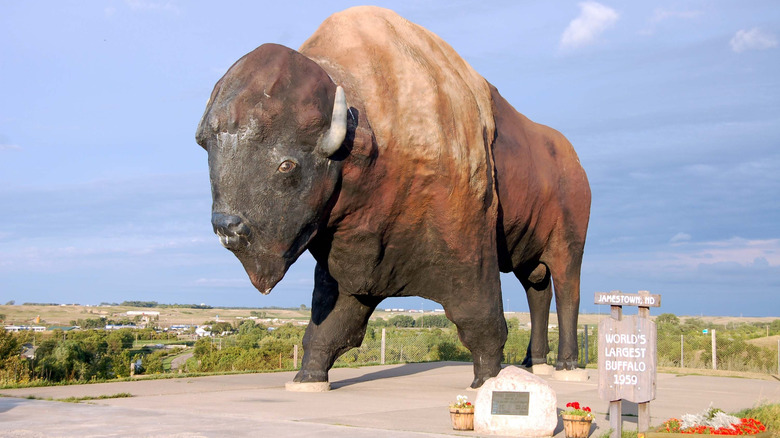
403,172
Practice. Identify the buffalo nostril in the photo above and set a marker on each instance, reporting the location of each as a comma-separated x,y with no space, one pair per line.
233,233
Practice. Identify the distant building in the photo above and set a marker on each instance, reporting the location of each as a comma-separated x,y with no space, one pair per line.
65,328
22,328
118,327
201,331
28,351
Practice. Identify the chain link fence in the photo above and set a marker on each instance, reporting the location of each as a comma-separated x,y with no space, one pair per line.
719,351
739,347
743,347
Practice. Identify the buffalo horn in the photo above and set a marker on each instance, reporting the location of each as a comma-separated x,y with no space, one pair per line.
331,141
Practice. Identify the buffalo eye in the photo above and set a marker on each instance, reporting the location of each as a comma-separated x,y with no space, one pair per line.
286,166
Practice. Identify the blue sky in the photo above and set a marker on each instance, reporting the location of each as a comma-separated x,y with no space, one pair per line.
672,106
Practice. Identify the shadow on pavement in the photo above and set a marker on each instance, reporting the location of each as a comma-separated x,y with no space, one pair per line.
8,403
404,370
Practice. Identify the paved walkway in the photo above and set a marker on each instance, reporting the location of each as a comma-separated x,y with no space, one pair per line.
373,402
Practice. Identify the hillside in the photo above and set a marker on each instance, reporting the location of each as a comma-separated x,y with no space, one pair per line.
64,314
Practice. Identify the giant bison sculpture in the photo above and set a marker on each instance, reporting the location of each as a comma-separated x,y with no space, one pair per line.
403,172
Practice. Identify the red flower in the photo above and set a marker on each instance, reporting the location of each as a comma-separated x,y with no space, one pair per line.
746,426
586,409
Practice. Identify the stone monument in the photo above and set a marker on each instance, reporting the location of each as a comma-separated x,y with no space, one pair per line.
516,403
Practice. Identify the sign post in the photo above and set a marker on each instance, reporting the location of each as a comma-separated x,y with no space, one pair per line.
627,356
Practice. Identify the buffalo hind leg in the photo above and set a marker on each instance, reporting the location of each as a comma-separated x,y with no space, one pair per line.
538,289
566,278
338,323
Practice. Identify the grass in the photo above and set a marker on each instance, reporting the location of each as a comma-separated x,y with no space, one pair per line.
161,376
768,414
84,398
623,434
100,397
717,373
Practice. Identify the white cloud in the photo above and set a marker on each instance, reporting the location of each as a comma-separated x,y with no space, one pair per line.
594,19
152,5
6,147
753,39
680,237
735,251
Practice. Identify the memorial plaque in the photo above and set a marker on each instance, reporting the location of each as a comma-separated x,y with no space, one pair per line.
509,403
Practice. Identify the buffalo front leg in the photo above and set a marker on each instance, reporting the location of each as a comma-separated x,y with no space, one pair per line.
482,329
538,289
338,323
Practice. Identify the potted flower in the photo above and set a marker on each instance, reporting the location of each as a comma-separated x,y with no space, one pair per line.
462,414
576,420
712,421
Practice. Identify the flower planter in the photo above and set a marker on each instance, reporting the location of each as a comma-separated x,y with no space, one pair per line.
462,418
575,426
766,434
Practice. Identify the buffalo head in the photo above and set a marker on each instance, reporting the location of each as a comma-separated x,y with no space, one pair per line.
271,128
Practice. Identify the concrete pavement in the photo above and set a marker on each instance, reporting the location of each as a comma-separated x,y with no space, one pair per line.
382,401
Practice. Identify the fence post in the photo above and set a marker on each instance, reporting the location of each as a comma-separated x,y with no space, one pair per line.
587,358
714,352
382,349
295,356
682,352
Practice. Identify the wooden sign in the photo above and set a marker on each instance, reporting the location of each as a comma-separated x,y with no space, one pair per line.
509,403
627,359
618,298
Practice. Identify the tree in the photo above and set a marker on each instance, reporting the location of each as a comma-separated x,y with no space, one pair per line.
402,321
433,321
202,348
221,327
667,318
378,322
9,345
119,340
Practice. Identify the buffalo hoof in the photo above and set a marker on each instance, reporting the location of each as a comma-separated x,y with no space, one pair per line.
311,377
307,386
566,365
478,382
